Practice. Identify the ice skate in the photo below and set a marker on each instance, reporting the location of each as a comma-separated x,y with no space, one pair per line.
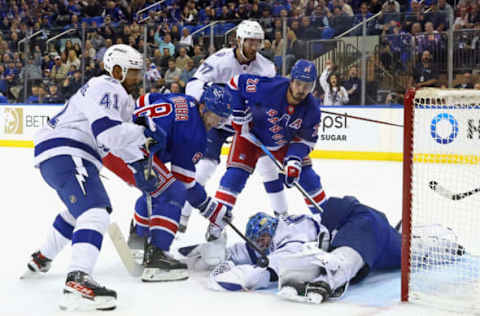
37,267
82,293
161,266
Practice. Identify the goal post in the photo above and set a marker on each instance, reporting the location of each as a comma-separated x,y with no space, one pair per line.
441,199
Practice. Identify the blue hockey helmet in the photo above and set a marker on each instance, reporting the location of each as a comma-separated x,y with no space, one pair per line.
304,70
217,99
260,224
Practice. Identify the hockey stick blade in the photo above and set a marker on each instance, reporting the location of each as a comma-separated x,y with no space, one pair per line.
449,194
133,268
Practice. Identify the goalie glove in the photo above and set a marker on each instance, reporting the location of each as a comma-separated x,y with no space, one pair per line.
292,167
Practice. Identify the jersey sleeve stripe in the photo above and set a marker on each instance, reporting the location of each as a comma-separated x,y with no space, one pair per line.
64,142
183,178
102,124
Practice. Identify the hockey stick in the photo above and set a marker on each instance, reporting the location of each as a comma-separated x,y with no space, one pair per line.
280,167
133,268
361,118
449,194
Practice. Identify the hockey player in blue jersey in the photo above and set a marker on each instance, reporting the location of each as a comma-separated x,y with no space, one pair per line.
185,123
285,117
313,261
96,120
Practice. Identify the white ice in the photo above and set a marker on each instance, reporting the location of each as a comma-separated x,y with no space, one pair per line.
30,205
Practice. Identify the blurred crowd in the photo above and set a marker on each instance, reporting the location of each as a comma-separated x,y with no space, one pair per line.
41,71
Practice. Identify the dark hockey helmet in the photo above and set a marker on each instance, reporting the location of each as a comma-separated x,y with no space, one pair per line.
261,224
304,70
217,99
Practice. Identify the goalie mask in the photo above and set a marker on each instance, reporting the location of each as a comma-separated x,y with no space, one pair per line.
261,229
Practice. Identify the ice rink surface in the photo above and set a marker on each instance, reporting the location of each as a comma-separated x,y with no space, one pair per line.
30,206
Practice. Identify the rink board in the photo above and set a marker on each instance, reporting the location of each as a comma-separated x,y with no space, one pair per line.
340,137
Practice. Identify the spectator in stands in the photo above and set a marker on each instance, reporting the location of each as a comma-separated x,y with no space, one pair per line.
186,40
334,93
241,13
54,96
346,8
173,73
166,42
466,81
320,15
307,32
59,70
277,44
187,73
190,13
375,6
182,58
387,15
353,86
71,85
198,55
101,51
153,73
339,21
433,41
175,33
31,71
360,17
175,87
295,49
91,8
463,19
90,51
267,50
477,86
96,39
443,6
36,96
161,86
424,75
114,11
165,58
72,59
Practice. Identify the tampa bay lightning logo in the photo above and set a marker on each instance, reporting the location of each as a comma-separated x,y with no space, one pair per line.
440,124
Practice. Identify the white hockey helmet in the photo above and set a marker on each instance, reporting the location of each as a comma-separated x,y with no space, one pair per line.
249,29
124,56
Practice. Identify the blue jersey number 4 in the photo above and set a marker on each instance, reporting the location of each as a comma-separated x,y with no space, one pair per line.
109,102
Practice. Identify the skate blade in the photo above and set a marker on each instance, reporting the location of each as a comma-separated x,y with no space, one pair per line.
157,275
29,275
290,293
76,302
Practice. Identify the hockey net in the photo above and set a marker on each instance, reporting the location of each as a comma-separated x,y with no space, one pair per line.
441,199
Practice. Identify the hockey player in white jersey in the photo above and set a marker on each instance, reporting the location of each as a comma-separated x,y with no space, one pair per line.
96,120
220,68
313,262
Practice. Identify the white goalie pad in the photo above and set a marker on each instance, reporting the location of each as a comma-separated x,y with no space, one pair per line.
230,277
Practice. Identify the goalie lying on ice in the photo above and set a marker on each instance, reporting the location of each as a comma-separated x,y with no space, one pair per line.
312,262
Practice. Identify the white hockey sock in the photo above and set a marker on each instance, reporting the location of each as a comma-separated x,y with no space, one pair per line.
205,170
278,201
187,209
55,240
87,239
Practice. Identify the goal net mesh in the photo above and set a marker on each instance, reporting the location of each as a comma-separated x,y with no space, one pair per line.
444,262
